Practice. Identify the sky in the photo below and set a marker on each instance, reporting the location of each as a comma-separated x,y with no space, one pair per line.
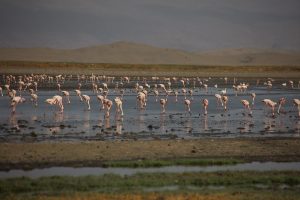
191,25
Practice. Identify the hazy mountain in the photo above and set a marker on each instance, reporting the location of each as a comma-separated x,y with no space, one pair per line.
133,53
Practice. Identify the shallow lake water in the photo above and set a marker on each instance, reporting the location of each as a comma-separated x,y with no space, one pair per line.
44,122
86,171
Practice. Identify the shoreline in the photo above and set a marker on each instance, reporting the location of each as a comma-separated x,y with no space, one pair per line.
114,69
95,153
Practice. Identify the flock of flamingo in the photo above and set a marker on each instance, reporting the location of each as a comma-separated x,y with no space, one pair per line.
160,86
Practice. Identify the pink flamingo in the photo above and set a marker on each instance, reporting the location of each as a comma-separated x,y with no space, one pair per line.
108,104
163,103
101,99
176,95
253,95
225,100
58,87
34,97
155,91
219,99
246,104
56,100
191,93
119,108
205,105
184,92
79,86
15,101
67,95
141,98
297,103
78,93
270,103
87,99
281,102
187,104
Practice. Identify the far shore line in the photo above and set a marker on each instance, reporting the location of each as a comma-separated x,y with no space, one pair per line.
28,67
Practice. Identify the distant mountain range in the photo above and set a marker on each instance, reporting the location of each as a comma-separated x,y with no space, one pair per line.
133,53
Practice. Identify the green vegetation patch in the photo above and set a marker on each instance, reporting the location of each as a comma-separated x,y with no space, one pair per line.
163,163
138,182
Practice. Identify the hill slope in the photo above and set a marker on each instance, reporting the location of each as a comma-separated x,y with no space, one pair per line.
133,53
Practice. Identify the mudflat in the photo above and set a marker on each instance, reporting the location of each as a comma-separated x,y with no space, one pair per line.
93,153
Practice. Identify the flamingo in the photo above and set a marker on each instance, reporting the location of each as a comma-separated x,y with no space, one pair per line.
225,100
141,98
270,103
223,92
34,98
58,87
297,103
246,105
12,93
187,104
56,100
79,86
281,102
176,95
219,99
183,84
119,108
78,93
253,95
183,90
205,105
191,93
205,87
101,99
67,95
87,99
15,101
107,104
155,91
163,103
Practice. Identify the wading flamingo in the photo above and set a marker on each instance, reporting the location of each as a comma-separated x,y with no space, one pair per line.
67,95
225,100
271,104
56,100
205,105
219,99
101,99
78,93
87,99
187,104
107,104
15,101
281,102
119,107
163,103
297,103
141,98
246,104
253,95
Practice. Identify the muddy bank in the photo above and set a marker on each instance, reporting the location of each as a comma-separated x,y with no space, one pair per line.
93,153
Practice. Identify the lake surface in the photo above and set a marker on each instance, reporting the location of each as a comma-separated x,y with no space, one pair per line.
44,122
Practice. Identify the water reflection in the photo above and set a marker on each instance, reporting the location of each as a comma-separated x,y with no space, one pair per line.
58,117
162,122
106,122
86,120
119,125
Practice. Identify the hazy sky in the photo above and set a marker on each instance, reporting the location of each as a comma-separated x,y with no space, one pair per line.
192,25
